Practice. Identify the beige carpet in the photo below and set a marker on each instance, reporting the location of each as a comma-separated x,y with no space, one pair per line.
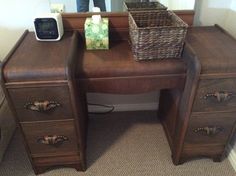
121,144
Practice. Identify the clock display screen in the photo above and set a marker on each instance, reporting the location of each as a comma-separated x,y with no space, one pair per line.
46,28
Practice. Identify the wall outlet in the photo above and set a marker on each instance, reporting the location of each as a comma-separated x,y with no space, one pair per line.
57,8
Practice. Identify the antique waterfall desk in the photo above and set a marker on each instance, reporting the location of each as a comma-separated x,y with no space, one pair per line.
46,85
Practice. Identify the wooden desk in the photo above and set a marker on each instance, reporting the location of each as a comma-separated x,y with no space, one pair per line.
46,85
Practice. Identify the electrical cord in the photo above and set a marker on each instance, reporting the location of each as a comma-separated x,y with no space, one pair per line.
101,105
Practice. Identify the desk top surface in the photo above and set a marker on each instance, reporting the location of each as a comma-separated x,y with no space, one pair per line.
215,49
44,61
34,60
118,61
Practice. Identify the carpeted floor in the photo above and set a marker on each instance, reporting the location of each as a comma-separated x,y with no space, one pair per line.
120,144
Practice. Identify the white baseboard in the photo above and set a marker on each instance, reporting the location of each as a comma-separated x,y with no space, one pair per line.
125,107
232,156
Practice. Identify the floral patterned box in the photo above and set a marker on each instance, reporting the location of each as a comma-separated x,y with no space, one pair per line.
96,34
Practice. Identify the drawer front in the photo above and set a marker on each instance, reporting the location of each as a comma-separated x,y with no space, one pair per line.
215,95
54,138
212,151
42,103
209,129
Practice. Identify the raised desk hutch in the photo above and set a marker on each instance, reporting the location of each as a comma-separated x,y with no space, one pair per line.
46,84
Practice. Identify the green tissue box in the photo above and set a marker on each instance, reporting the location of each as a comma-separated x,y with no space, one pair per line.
96,35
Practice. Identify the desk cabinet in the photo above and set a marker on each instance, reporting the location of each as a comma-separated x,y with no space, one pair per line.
212,115
39,81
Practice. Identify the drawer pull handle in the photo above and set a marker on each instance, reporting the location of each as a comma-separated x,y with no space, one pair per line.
220,96
53,140
209,131
42,106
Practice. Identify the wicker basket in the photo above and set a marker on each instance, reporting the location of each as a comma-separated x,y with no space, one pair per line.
143,6
156,34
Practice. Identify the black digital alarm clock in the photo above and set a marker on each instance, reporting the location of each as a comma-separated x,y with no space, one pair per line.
48,27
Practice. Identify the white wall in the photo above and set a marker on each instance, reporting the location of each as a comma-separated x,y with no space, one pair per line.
15,17
17,14
70,5
211,11
181,4
222,12
230,22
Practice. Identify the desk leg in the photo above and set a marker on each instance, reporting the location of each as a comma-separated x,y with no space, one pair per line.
168,113
81,113
83,120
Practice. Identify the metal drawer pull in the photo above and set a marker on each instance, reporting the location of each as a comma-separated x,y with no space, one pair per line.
41,106
220,96
209,130
53,140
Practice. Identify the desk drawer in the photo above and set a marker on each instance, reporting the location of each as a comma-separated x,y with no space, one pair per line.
215,95
54,138
213,151
210,128
42,103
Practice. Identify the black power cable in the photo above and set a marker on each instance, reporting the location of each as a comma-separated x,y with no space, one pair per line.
101,105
